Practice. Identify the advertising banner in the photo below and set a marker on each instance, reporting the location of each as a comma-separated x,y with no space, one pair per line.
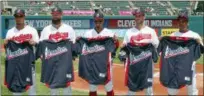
125,13
78,12
117,23
40,24
168,31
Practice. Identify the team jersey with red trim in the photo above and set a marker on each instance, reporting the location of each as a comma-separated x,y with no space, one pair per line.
56,34
144,35
177,60
18,68
25,34
57,66
139,65
95,59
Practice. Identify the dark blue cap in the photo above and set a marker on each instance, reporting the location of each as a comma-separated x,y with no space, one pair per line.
57,9
19,12
183,15
138,11
98,15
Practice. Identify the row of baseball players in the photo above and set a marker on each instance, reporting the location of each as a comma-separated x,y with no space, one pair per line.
140,28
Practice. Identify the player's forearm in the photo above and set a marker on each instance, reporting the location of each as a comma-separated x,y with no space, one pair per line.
155,42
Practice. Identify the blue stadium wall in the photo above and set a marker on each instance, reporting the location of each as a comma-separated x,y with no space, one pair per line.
163,25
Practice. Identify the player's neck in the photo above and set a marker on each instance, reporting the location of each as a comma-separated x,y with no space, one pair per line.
56,25
20,27
98,30
140,26
183,30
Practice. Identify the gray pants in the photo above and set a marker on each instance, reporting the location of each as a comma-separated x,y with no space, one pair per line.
66,91
108,86
32,89
148,91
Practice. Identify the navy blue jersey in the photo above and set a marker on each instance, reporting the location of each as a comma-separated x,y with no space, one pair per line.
57,67
139,65
177,57
95,59
18,68
202,48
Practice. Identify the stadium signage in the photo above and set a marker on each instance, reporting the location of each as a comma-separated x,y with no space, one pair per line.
152,23
168,31
40,24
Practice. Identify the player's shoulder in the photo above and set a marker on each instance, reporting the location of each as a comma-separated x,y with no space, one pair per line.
108,31
190,33
67,26
47,27
176,33
149,29
88,32
11,29
131,30
28,27
194,34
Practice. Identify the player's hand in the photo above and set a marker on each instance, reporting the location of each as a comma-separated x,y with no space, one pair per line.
160,37
198,41
32,42
6,41
114,37
78,38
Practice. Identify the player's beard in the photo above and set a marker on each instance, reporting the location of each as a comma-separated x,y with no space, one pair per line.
183,30
19,24
56,21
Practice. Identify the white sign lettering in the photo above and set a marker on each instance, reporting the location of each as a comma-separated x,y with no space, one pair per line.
151,23
161,23
43,23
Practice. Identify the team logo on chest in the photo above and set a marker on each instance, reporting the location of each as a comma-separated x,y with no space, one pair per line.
16,53
54,52
140,37
88,50
58,36
22,38
143,55
174,52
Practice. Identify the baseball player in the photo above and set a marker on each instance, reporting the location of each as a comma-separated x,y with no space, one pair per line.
97,32
56,29
141,33
185,32
23,33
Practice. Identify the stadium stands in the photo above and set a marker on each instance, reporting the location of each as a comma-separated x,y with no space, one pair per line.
181,4
109,7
